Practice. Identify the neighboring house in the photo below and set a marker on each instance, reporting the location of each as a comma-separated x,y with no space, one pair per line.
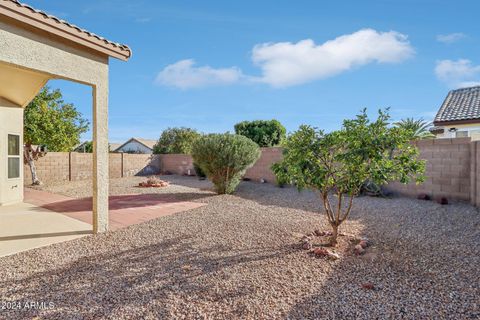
136,145
459,115
85,147
114,146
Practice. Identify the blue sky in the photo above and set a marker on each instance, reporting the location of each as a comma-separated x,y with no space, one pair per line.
210,64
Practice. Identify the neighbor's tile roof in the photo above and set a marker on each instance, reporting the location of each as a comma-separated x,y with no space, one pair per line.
460,104
28,11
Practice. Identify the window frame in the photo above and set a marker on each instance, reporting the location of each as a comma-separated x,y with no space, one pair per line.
13,156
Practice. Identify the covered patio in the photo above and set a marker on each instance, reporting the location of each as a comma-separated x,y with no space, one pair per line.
37,47
45,218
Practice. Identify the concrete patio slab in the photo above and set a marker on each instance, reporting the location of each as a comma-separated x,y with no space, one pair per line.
124,210
25,226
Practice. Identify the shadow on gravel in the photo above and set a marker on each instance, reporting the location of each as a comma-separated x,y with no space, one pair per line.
421,264
135,283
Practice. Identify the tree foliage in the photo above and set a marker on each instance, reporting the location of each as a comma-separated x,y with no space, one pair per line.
224,158
49,121
266,133
176,140
418,128
340,162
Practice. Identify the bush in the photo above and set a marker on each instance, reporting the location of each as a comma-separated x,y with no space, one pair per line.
199,172
224,158
176,140
266,133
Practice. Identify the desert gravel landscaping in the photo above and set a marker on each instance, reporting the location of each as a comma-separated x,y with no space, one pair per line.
240,257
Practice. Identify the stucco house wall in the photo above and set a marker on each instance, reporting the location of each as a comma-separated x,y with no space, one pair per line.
471,130
11,118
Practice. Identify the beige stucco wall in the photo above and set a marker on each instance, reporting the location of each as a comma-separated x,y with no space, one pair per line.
473,130
11,119
43,54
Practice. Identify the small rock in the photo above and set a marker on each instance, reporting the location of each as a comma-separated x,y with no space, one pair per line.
423,196
319,233
307,246
333,255
442,200
368,286
320,252
305,239
363,244
358,250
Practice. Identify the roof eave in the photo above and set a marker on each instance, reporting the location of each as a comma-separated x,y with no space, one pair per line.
53,26
453,122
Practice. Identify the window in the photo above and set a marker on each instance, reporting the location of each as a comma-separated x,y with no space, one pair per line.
461,134
13,156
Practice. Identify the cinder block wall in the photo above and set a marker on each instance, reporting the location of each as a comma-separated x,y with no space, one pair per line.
53,167
448,169
262,168
57,167
182,163
453,168
144,164
176,163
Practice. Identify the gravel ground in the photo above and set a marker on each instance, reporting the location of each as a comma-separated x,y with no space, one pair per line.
178,185
239,257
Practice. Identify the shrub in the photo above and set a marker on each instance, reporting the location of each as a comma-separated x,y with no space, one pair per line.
224,158
266,133
176,140
199,172
341,161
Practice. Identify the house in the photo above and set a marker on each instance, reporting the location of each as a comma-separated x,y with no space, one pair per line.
86,147
459,115
34,48
136,145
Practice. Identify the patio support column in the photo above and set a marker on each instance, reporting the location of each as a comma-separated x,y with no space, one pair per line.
100,157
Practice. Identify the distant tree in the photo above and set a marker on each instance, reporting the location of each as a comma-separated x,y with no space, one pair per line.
266,133
50,122
176,140
340,162
418,128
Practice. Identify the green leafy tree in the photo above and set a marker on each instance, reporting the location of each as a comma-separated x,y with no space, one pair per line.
418,128
224,158
266,133
50,122
176,140
337,164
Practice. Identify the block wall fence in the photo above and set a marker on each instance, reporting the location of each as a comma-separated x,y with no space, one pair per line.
74,166
452,168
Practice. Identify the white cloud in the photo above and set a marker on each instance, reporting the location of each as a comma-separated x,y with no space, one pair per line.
286,64
458,74
184,75
451,37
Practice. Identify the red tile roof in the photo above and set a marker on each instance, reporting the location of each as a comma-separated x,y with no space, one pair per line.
40,19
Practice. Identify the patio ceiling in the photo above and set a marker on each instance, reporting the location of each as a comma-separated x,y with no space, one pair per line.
19,86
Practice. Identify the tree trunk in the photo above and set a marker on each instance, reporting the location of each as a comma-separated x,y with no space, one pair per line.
28,153
333,238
